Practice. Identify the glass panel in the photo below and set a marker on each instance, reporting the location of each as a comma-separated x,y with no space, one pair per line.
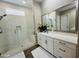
50,20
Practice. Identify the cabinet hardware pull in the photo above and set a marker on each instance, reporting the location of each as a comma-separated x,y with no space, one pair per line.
62,50
46,42
62,43
60,57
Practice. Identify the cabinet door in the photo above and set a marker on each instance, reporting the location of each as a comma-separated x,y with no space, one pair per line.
44,41
39,40
50,45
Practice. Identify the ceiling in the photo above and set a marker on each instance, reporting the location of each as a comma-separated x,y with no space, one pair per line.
39,1
25,3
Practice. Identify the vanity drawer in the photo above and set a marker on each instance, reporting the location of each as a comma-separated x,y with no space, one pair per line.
61,49
63,43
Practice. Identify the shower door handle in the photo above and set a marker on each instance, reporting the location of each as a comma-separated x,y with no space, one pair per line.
15,31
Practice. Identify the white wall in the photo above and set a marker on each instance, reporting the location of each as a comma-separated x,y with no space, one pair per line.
30,21
37,13
51,5
30,25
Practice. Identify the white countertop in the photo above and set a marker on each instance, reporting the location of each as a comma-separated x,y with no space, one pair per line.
68,37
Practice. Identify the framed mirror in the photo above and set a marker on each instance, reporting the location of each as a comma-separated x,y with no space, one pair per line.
66,18
63,19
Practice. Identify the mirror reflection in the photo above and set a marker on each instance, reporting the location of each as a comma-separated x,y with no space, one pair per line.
62,19
50,20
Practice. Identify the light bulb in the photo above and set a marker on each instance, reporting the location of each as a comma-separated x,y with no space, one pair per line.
24,2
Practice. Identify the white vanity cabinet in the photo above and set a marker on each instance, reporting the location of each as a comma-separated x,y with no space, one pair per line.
64,50
50,43
42,41
46,42
57,46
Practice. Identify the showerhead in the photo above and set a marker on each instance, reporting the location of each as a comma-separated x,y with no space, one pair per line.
4,15
1,17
